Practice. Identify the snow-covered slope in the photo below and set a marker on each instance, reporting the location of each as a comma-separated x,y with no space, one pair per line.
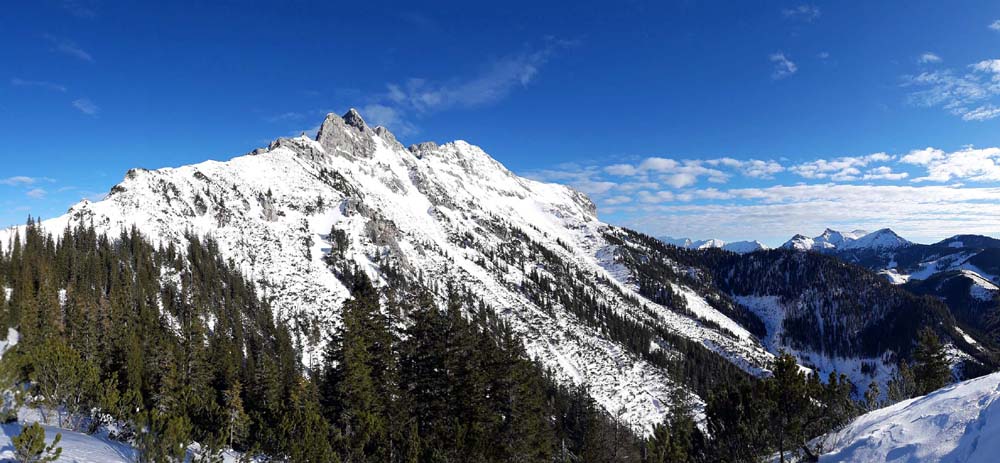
437,213
879,240
739,247
743,247
827,241
957,424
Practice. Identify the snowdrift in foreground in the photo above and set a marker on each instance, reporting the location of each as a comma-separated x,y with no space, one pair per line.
76,447
957,424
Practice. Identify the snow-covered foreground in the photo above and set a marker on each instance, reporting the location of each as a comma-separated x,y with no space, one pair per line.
957,424
76,447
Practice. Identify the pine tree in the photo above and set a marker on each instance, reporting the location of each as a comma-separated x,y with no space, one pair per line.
237,420
902,385
932,371
29,446
792,403
872,395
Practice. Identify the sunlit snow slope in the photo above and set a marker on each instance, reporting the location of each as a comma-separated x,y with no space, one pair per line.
445,213
957,424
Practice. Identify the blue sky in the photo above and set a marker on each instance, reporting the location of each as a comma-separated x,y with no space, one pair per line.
734,120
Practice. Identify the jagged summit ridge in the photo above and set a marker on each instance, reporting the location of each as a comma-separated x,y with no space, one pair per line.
832,241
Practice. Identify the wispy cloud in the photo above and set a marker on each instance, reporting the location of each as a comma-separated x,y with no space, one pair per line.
928,58
38,84
84,105
18,180
783,67
496,80
69,47
804,12
287,116
968,94
387,116
80,8
36,193
995,25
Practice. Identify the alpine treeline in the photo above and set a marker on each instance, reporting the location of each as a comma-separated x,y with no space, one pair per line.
169,347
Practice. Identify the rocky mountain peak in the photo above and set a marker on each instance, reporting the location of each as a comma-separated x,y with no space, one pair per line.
353,118
347,135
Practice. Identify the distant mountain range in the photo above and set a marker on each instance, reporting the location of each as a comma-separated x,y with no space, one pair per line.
739,247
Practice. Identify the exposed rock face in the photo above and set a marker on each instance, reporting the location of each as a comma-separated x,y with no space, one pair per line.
348,136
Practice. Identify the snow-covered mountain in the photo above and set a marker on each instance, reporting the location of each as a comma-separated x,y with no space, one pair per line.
743,247
739,247
285,213
960,423
962,271
828,240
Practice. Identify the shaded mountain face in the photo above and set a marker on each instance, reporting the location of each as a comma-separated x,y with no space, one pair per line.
832,315
963,271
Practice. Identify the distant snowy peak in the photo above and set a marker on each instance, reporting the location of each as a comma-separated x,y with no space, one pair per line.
679,242
743,247
881,239
739,247
832,240
708,244
800,243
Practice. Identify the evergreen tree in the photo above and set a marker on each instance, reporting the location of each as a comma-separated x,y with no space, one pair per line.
902,385
872,395
29,446
237,420
932,371
792,402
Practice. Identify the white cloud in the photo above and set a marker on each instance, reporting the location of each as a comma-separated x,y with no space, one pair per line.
657,197
781,211
494,82
68,47
805,12
36,193
966,95
39,84
658,164
843,169
981,113
922,157
783,67
995,25
680,180
969,164
884,173
617,200
86,106
928,57
621,170
754,168
389,118
18,180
